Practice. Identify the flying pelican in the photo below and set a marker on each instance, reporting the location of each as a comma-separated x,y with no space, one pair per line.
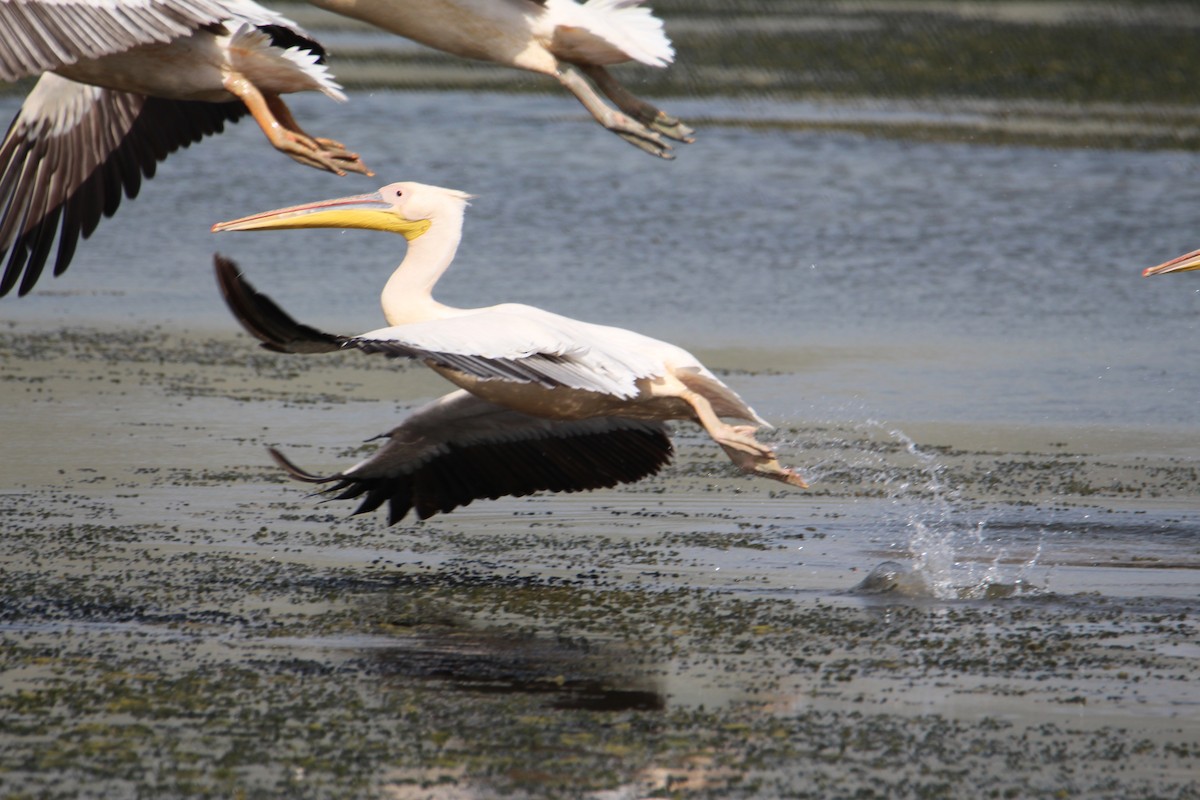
460,447
123,85
1184,263
515,357
549,37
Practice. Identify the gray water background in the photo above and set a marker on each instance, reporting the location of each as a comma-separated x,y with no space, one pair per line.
883,279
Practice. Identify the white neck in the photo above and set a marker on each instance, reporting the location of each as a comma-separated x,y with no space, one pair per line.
408,295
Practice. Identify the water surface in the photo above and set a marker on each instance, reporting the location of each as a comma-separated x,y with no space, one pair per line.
907,281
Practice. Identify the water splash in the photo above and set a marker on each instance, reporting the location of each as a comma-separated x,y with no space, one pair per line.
951,556
955,558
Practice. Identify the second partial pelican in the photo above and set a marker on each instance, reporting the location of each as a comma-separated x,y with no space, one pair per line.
517,357
1184,263
125,84
550,37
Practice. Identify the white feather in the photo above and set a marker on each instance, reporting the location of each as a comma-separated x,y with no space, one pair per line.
251,52
625,25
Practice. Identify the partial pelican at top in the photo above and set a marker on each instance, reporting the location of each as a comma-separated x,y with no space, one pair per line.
550,37
515,357
125,84
1184,263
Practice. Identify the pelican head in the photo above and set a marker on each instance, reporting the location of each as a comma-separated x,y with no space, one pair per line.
406,208
1184,263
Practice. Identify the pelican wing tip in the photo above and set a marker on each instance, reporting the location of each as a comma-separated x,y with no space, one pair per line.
296,472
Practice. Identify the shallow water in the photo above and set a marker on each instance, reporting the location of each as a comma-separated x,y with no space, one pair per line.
904,281
953,338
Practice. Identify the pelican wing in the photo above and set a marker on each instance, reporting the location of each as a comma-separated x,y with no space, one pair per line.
265,320
459,448
71,153
42,35
514,343
509,343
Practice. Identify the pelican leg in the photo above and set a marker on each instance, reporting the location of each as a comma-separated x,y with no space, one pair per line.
331,146
629,129
738,442
637,108
277,122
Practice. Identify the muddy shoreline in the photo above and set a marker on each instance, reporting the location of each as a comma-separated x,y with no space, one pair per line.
178,621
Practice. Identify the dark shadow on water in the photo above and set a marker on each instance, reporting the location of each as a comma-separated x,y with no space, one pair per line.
429,636
571,675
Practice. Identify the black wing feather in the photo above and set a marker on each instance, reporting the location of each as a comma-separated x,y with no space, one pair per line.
72,154
571,457
265,320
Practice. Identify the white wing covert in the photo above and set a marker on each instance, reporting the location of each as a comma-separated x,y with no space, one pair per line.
514,343
509,342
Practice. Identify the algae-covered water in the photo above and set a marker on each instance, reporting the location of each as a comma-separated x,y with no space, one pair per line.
927,276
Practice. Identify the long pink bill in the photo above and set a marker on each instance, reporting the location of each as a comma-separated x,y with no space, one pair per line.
294,216
1184,263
